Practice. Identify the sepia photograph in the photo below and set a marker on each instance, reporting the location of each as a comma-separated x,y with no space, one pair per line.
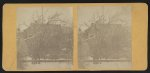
104,37
44,38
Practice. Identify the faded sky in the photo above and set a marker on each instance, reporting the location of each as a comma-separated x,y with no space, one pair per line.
85,15
27,14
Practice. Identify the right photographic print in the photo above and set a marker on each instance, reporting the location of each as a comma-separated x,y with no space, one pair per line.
104,37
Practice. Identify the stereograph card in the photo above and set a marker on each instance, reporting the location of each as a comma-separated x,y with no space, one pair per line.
75,36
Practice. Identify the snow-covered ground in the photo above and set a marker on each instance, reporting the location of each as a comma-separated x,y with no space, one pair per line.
48,65
107,65
87,65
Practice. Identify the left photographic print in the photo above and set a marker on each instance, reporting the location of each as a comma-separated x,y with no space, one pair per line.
44,38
